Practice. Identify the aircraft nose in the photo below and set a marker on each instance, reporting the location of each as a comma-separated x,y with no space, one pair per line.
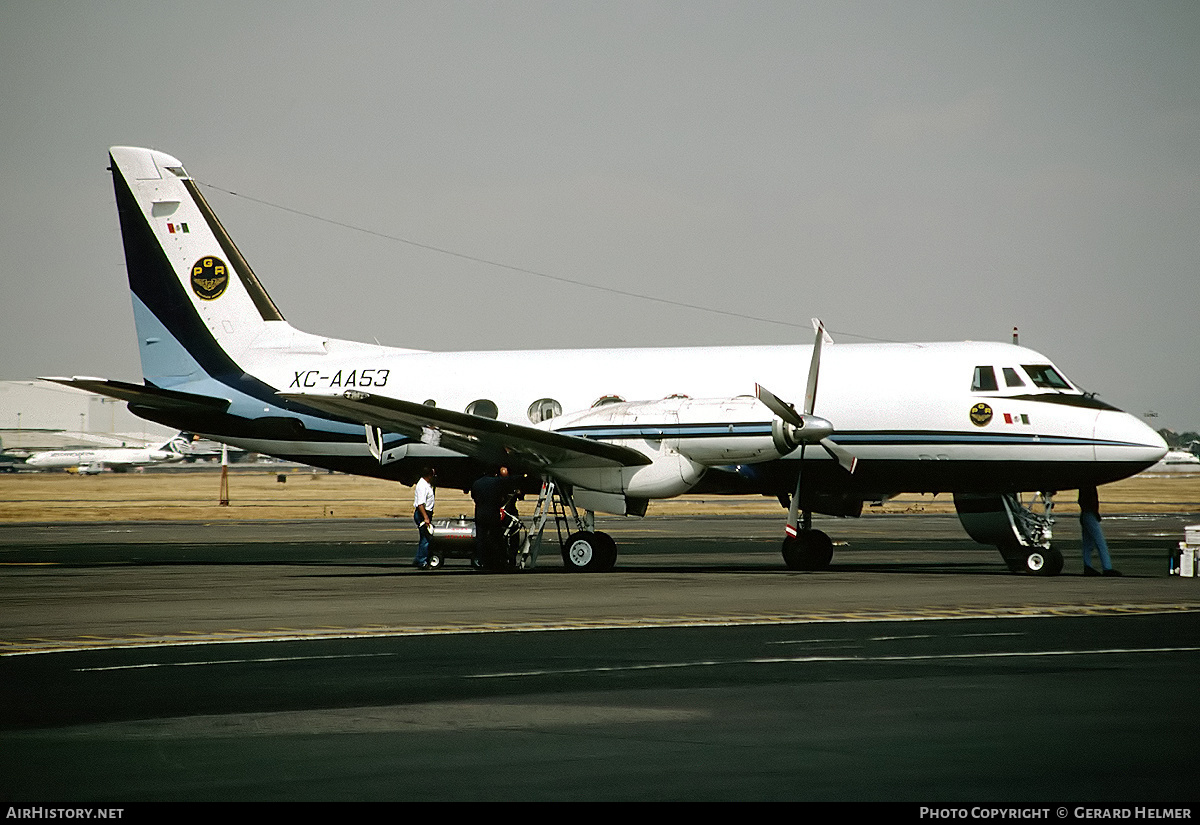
1123,439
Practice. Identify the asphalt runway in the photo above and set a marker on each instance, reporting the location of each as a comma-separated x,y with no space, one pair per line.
307,660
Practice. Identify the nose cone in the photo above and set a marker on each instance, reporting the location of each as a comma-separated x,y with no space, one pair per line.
1126,444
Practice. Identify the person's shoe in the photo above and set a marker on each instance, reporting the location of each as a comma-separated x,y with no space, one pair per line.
1088,570
1112,572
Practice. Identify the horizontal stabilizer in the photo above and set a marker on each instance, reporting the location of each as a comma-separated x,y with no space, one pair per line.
144,395
486,439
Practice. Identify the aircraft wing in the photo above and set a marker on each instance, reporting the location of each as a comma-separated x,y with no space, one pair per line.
489,440
145,395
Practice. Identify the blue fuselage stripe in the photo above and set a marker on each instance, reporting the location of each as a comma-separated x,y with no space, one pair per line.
846,439
656,431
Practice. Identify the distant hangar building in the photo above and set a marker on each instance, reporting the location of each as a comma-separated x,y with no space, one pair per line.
39,415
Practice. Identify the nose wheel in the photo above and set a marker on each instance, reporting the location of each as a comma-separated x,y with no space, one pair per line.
1036,561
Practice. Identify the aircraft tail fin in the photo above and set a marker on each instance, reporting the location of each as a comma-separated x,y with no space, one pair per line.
198,306
179,445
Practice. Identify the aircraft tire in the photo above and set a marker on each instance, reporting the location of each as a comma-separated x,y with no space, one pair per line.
608,552
809,550
589,552
1042,562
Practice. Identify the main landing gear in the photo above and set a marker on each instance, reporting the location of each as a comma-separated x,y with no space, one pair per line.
590,551
808,549
585,550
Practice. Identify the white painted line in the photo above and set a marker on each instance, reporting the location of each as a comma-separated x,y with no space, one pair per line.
827,659
232,662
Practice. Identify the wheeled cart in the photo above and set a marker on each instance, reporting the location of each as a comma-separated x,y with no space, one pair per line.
455,539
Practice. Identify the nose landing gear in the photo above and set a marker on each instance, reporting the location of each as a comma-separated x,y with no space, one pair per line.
1021,533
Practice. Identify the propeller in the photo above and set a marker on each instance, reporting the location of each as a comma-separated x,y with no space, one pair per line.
806,427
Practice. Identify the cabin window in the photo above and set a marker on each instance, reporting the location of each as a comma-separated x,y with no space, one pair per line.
544,409
483,408
985,380
1012,378
1046,377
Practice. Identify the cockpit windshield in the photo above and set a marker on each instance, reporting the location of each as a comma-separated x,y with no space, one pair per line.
1046,377
1043,376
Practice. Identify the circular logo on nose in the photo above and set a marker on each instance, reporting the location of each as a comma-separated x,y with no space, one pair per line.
210,276
981,414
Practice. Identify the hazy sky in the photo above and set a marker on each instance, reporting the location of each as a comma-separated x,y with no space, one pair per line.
913,171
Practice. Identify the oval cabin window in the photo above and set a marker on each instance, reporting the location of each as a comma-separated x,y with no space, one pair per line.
544,409
483,408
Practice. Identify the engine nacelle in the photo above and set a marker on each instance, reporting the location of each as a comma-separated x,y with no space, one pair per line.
683,437
669,474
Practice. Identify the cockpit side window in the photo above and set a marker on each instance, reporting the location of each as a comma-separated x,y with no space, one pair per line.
984,380
1012,378
1045,376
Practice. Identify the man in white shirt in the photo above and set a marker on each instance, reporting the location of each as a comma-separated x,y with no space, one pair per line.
423,515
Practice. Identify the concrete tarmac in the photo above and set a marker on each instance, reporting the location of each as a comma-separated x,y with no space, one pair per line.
308,660
87,585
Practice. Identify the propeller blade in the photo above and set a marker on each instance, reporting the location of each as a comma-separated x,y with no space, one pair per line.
778,406
848,461
814,368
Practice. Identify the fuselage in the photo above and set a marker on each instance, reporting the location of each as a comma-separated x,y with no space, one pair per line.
114,457
910,413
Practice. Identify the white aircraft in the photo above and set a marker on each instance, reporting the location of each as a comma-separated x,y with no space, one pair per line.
117,458
608,430
1176,461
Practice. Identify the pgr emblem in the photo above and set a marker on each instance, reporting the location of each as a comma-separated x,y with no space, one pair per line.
981,414
210,276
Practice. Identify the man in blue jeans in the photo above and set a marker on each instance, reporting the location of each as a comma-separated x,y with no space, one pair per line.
1093,536
423,500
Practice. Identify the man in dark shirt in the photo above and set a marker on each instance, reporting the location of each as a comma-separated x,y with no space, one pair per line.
490,494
